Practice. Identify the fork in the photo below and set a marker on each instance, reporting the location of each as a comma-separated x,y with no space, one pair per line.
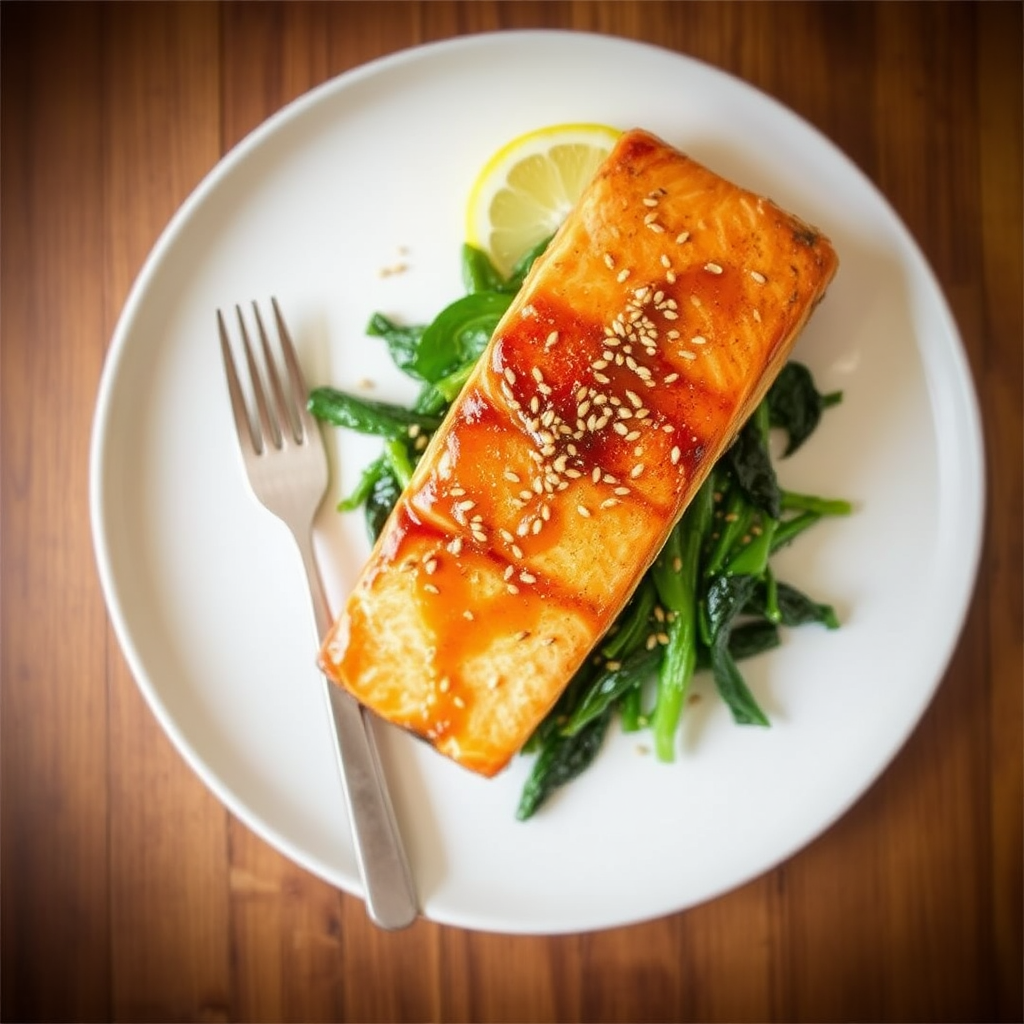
284,457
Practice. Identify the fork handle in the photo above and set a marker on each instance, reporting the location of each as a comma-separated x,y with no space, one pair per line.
390,895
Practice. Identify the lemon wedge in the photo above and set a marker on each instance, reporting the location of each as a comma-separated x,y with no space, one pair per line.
527,188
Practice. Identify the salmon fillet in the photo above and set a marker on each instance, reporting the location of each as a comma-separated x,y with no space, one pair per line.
639,344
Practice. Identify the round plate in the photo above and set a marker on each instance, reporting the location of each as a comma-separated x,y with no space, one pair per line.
206,593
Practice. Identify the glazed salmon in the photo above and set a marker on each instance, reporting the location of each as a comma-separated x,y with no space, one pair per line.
639,344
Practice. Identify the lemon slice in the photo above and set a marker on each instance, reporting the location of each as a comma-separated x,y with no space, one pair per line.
527,188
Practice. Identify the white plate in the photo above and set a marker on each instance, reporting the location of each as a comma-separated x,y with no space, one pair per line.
206,594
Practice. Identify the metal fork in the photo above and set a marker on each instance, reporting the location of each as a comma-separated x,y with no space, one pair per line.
287,468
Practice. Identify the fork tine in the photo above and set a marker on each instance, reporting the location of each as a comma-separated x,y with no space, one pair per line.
297,384
286,415
248,435
266,418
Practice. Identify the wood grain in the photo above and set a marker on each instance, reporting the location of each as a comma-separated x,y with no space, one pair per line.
130,893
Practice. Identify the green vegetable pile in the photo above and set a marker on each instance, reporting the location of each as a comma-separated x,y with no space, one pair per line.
709,600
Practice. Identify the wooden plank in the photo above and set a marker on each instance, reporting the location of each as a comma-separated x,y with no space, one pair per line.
999,60
55,919
169,894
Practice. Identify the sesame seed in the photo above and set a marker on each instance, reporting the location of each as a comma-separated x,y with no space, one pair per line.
527,577
455,545
468,615
665,261
537,375
444,684
583,511
465,506
682,237
610,502
430,588
712,268
633,434
620,428
652,642
677,564
517,551
622,275
687,354
662,639
758,277
656,228
650,202
510,376
698,339
512,588
458,702
637,470
670,314
695,301
621,491
609,260
650,217
675,455
511,477
757,316
670,276
670,378
536,526
430,566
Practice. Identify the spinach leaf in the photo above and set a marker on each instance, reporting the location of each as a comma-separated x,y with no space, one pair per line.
366,415
402,342
752,638
795,405
726,599
750,463
380,501
458,334
479,274
561,759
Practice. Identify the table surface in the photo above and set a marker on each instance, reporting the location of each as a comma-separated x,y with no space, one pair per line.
130,893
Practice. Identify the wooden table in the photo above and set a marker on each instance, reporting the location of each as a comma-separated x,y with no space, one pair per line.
129,893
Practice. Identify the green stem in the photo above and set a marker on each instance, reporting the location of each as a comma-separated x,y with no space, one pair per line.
792,501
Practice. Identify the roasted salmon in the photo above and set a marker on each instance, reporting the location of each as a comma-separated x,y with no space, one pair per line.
639,344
